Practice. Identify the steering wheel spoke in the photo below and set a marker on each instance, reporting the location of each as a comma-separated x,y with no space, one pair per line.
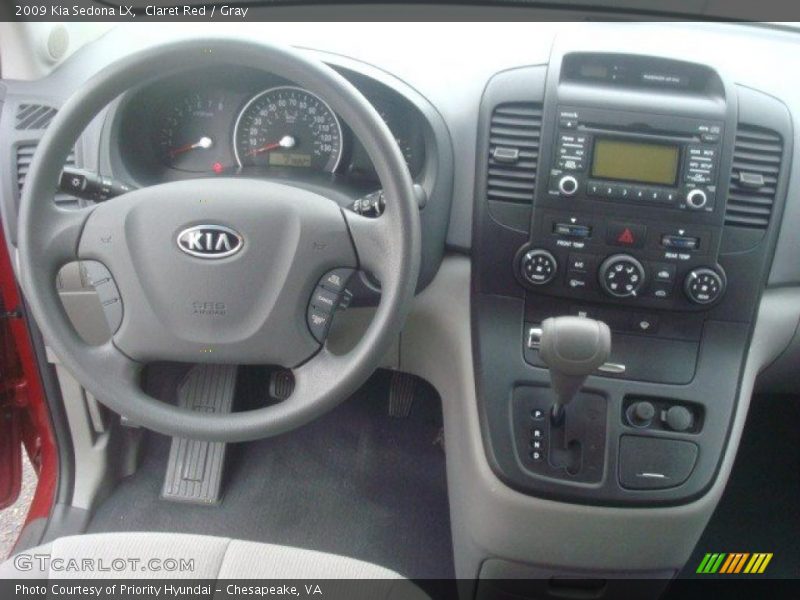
59,237
373,248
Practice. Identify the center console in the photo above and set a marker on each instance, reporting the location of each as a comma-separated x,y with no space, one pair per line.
659,175
643,193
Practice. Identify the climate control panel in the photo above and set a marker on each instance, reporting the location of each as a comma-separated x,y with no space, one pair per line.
643,262
621,277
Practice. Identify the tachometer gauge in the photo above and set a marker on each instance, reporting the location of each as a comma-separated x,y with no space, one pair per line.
189,136
288,127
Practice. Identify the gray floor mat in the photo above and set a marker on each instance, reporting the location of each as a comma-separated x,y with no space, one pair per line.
354,482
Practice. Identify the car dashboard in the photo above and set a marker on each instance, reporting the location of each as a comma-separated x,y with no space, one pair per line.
600,170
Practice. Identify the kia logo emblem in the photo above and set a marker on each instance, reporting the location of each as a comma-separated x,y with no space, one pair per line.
210,241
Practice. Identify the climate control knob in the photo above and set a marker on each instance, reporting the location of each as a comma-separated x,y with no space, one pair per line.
538,266
567,185
696,199
621,276
704,285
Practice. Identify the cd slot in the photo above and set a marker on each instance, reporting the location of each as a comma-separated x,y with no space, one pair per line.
632,134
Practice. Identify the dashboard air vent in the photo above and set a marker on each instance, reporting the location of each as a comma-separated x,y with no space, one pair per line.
754,177
25,156
34,116
514,136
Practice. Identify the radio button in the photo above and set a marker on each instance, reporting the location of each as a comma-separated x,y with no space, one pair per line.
566,123
608,191
570,164
696,199
623,192
628,235
594,188
568,185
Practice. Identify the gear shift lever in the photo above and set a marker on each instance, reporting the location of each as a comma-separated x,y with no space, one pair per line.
573,348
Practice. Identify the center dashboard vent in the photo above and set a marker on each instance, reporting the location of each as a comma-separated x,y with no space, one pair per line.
514,137
757,159
25,154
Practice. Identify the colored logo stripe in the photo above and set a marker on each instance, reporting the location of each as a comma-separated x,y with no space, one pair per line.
711,563
758,563
734,562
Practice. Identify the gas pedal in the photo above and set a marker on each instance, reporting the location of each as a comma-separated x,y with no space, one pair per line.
194,470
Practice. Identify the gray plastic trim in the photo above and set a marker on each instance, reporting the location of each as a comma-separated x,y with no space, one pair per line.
492,520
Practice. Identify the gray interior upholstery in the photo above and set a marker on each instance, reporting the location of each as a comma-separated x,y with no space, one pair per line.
214,558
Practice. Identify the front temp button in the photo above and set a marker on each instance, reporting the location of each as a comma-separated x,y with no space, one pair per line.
538,267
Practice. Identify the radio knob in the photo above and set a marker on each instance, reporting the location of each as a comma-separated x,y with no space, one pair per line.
567,185
538,266
704,285
696,199
621,276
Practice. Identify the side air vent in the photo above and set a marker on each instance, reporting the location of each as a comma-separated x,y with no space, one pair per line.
34,116
754,177
25,156
514,136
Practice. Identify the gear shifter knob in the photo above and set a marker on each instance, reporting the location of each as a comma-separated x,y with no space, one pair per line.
573,348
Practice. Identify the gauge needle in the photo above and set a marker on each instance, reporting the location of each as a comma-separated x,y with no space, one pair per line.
286,141
203,142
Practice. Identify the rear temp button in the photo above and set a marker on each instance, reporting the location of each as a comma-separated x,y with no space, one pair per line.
704,286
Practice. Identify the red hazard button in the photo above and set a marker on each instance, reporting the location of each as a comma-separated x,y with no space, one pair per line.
629,235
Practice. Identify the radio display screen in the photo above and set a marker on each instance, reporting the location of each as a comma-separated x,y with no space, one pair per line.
636,162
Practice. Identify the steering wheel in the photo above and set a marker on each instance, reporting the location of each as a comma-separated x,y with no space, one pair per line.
279,242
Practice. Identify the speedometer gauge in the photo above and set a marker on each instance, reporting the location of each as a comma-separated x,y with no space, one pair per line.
288,127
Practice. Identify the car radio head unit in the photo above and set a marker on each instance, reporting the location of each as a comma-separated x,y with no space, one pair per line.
627,156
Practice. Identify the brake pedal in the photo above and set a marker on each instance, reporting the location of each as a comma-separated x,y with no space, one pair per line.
194,470
401,394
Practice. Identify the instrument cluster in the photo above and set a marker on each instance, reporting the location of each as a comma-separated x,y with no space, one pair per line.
236,121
